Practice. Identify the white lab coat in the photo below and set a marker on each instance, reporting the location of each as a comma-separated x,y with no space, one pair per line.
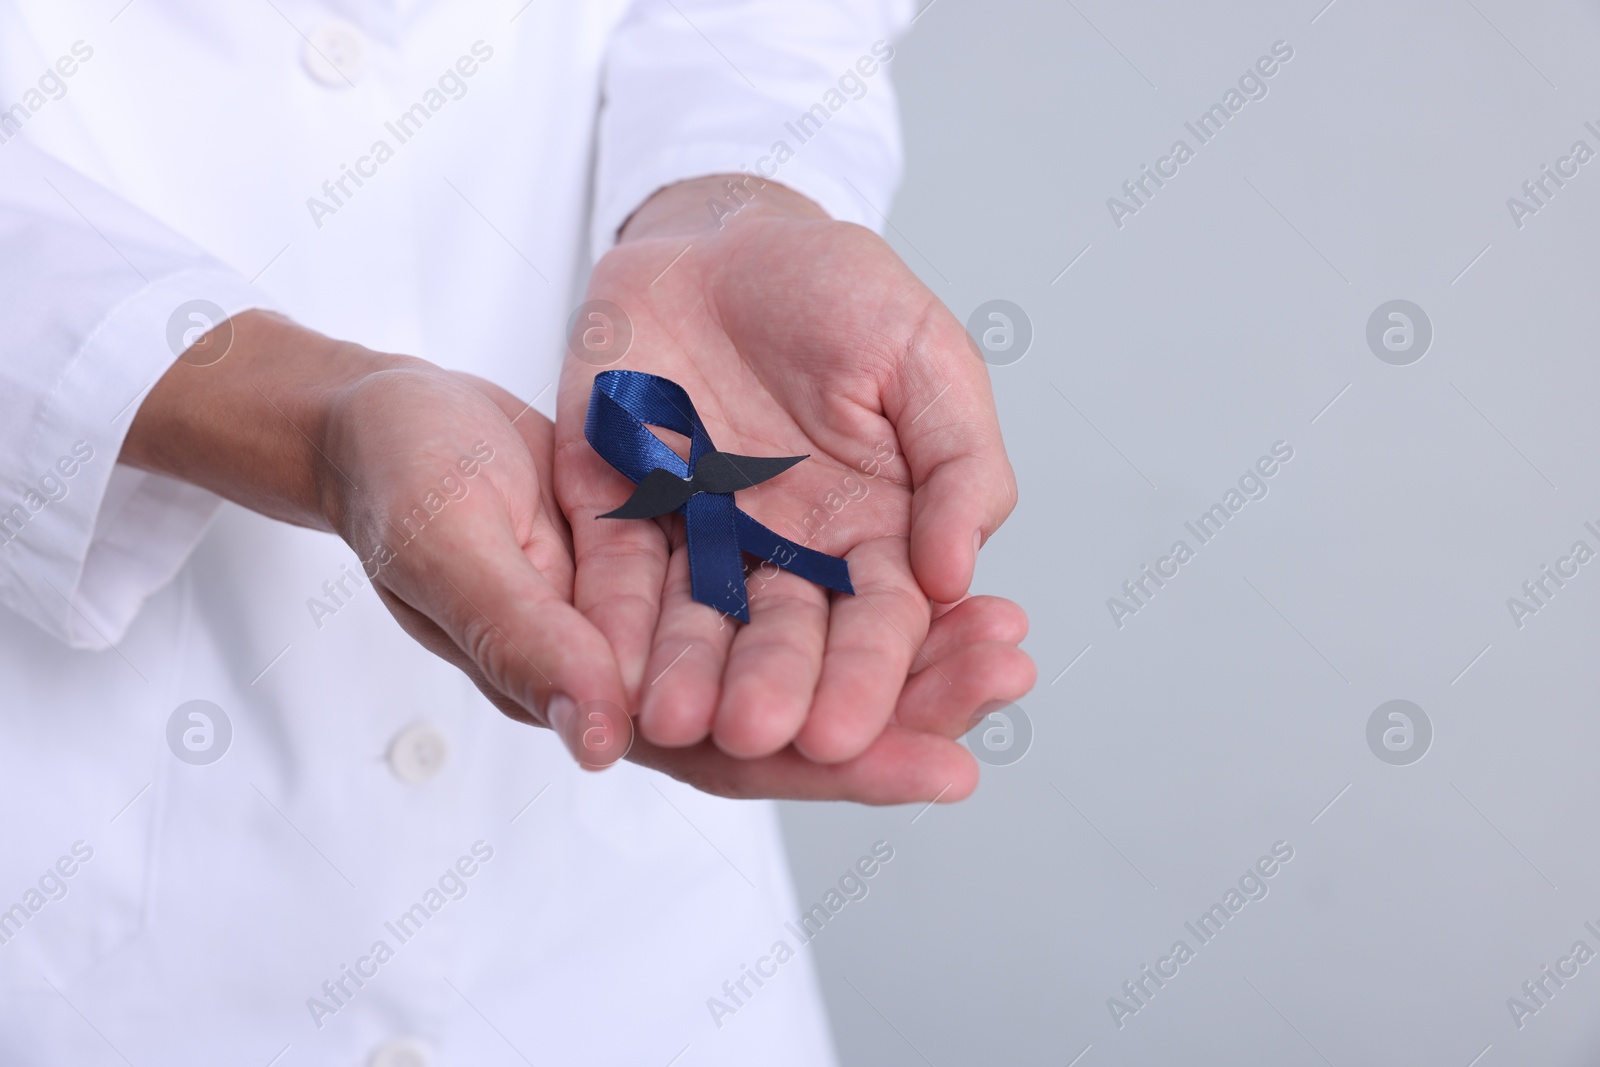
154,911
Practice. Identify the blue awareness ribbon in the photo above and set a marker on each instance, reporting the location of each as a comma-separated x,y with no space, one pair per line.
622,407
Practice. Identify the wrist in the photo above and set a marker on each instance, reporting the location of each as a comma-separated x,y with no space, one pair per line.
714,204
252,425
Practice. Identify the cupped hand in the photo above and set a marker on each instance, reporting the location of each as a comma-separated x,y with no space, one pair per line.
486,582
478,568
794,335
490,593
438,481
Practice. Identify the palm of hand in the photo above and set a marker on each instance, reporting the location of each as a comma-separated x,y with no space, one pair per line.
793,338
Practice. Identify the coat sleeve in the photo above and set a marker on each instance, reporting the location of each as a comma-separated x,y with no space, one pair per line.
797,91
96,298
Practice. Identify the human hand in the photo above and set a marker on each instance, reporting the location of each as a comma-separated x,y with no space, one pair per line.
436,479
335,437
795,335
969,666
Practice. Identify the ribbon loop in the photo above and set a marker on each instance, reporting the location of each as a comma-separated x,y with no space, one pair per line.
622,407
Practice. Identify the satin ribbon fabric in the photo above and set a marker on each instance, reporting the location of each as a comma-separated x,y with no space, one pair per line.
622,407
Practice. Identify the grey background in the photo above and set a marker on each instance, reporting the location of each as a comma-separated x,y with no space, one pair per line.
1225,716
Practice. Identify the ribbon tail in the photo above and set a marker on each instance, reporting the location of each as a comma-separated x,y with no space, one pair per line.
831,572
716,570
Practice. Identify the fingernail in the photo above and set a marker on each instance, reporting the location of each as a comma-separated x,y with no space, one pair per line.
560,710
977,542
597,733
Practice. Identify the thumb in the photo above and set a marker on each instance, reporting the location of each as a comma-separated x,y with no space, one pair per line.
963,485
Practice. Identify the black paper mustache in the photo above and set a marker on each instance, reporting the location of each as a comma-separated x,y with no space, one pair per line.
661,492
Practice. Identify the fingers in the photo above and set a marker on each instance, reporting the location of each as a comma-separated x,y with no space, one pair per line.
915,759
773,665
964,488
900,767
426,633
973,621
683,677
962,500
872,638
480,589
961,688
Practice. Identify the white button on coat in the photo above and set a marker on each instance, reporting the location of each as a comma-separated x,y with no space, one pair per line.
417,753
401,1052
216,913
335,54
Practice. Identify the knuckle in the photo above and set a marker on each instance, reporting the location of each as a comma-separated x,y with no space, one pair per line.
624,549
833,739
750,736
487,647
1008,494
895,600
